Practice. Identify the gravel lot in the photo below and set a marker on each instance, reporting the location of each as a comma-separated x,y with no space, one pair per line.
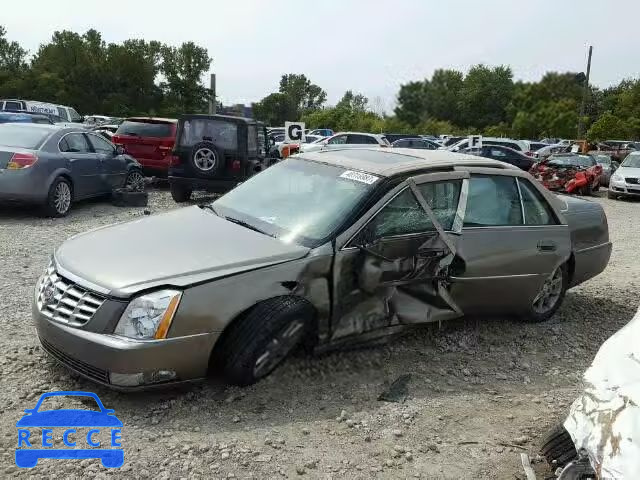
479,392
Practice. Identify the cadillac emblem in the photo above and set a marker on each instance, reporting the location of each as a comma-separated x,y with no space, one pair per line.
48,294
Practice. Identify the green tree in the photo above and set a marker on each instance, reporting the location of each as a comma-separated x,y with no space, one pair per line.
183,68
296,96
441,97
12,55
608,127
411,103
484,96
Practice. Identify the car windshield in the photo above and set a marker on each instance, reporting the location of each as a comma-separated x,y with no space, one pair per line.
296,200
583,161
22,136
145,129
632,161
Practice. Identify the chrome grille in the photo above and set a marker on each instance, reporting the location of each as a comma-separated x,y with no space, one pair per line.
63,301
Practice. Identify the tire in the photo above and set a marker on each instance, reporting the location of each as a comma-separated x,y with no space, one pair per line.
557,447
586,190
134,181
541,313
206,159
180,194
248,349
611,195
59,198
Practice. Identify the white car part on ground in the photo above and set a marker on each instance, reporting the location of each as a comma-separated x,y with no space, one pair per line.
605,419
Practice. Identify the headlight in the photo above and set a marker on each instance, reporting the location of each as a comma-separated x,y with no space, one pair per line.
617,178
149,316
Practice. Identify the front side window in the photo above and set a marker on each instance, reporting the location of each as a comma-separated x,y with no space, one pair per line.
222,134
100,145
339,140
536,208
62,113
404,215
493,200
75,116
632,161
362,140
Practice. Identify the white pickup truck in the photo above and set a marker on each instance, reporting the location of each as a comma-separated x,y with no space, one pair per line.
67,114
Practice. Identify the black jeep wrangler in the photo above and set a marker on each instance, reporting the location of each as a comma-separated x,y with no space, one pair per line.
215,153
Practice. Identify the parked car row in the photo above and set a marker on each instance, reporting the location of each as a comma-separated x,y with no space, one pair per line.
52,167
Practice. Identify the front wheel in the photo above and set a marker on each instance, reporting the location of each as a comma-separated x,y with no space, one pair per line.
611,195
550,296
134,181
258,342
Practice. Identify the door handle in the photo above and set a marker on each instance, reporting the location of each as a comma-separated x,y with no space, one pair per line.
546,246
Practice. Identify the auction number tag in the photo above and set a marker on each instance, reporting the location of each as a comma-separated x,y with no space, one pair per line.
359,177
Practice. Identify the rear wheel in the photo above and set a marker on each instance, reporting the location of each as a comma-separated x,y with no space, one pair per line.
557,447
258,342
180,194
59,198
550,297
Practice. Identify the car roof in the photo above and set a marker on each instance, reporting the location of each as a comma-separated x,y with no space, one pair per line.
228,118
388,162
154,119
42,126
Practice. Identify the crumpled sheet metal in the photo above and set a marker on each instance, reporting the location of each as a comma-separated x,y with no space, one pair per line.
605,420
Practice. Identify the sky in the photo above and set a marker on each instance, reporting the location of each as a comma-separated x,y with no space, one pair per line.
370,47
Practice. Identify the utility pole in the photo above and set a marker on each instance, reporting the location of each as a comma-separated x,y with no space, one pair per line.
212,100
585,94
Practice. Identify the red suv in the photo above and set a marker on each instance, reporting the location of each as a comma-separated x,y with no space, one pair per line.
149,141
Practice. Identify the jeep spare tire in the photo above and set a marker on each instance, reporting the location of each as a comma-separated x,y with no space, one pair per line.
207,159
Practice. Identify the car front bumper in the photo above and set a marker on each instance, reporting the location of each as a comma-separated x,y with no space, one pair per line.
621,187
122,363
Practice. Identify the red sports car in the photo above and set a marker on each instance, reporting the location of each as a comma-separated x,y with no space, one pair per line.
569,173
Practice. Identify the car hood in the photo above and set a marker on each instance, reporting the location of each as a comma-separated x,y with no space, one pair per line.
311,147
628,172
177,248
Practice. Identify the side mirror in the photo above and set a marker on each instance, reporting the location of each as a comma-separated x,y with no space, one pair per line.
120,150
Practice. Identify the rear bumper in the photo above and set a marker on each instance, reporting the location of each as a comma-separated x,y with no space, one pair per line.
22,186
590,262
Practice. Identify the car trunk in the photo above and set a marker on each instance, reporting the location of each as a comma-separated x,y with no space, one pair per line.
146,139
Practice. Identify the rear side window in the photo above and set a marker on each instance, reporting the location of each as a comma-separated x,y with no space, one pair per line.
536,209
493,201
145,129
222,134
12,135
12,106
252,140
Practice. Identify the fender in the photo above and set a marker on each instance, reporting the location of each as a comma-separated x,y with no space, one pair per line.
60,172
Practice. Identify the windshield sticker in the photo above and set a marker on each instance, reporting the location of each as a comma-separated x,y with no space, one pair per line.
268,219
359,177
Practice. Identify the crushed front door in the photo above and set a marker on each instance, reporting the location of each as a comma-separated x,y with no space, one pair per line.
395,263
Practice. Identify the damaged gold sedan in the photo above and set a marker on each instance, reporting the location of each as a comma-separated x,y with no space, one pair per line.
320,250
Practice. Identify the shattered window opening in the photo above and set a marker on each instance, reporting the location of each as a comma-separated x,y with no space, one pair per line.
493,201
404,215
